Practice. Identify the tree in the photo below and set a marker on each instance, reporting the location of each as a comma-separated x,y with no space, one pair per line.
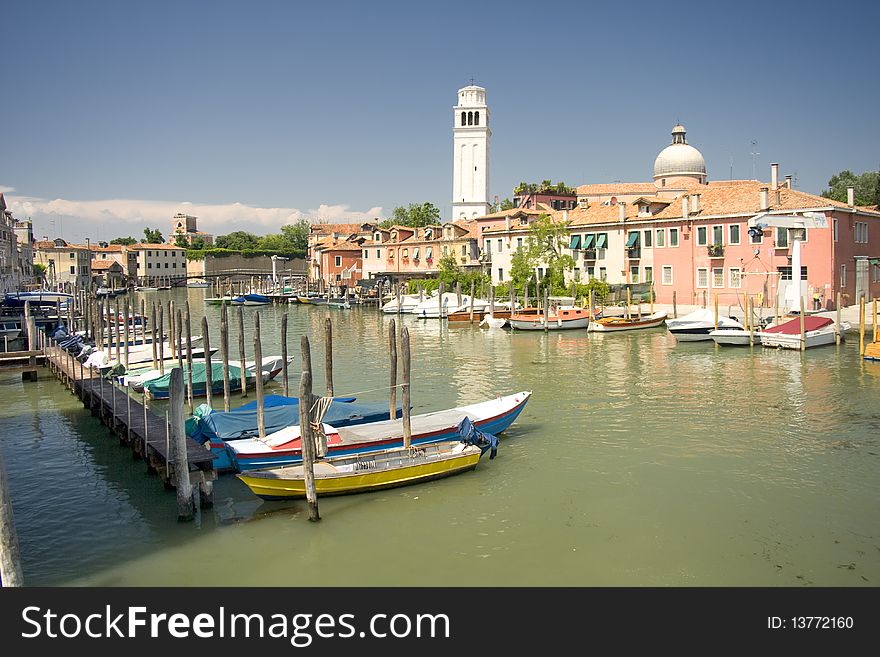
40,272
415,216
507,204
197,244
152,236
867,187
238,240
124,241
545,245
297,235
181,241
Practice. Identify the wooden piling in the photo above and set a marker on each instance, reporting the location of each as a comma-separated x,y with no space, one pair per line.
591,305
305,428
803,327
209,372
440,299
628,300
178,339
125,319
471,313
161,346
458,294
492,300
241,352
153,336
189,358
861,326
751,324
284,377
399,298
405,353
839,329
874,323
182,484
392,354
328,355
258,378
171,327
511,296
546,308
716,311
651,293
116,318
11,574
674,306
224,354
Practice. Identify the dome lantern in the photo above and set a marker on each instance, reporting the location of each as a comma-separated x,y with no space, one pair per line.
679,159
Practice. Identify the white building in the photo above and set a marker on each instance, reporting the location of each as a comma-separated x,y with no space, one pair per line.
159,261
470,139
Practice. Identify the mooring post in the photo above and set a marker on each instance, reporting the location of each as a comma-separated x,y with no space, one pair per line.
284,377
241,353
116,319
862,326
171,328
224,354
492,300
874,323
716,311
405,353
399,298
674,306
839,329
305,428
153,337
392,353
511,297
182,484
125,331
751,326
10,557
457,295
546,308
161,332
328,355
442,290
803,331
209,371
258,378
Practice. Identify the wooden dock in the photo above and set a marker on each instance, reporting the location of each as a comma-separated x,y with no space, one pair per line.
146,433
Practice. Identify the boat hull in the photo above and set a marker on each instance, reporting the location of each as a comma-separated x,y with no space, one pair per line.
612,325
533,324
734,337
330,481
813,339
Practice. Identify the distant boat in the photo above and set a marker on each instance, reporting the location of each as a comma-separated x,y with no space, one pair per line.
216,301
344,305
36,298
142,288
252,300
198,284
408,303
613,324
561,318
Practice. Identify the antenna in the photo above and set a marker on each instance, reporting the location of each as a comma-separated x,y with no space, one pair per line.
753,154
731,168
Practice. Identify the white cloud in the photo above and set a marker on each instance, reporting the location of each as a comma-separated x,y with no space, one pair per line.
6,190
106,219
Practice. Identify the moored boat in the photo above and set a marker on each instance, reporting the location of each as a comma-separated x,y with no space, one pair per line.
698,325
408,303
611,324
252,300
561,318
284,447
818,331
158,387
735,336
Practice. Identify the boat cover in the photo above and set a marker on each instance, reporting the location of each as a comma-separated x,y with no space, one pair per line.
242,422
793,326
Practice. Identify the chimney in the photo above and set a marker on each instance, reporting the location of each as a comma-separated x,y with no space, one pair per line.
774,176
850,196
788,182
507,223
622,207
565,215
695,203
684,207
584,203
765,201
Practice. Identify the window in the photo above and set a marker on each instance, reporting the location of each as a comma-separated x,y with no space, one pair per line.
72,269
667,274
500,274
781,238
603,274
756,236
488,244
735,278
718,277
591,272
149,265
634,274
166,265
149,254
734,234
649,274
391,254
702,277
72,255
648,239
429,252
540,273
861,232
786,273
464,250
632,240
673,237
835,229
173,265
702,235
476,118
661,238
717,234
416,253
379,253
445,250
337,261
366,254
519,242
464,118
406,253
602,241
500,246
577,273
842,275
429,234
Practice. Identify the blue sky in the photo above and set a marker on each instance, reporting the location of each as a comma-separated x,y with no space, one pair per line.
115,115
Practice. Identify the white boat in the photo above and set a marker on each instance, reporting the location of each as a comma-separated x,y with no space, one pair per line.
698,325
198,284
493,322
408,303
734,336
431,308
818,331
145,289
561,318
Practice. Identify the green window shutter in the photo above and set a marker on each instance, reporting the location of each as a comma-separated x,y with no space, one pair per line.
575,242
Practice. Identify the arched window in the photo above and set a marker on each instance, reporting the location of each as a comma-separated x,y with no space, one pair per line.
476,118
470,118
464,118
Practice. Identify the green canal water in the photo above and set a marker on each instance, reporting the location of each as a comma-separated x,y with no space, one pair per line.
638,461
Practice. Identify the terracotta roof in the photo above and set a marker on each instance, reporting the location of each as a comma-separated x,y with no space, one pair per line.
513,212
100,265
115,248
342,229
155,247
50,244
342,246
617,188
654,199
470,225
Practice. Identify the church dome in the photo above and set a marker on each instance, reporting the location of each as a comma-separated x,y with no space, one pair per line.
680,159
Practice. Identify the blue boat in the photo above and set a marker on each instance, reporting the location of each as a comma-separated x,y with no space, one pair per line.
217,427
252,300
284,447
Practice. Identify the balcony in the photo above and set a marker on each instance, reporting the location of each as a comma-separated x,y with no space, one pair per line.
634,253
715,250
589,254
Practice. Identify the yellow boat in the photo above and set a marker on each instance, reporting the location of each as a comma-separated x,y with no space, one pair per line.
360,473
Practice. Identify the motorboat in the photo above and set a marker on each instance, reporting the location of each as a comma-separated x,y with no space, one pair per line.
435,308
698,325
408,303
560,318
818,331
612,324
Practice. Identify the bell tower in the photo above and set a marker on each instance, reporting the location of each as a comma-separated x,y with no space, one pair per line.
470,141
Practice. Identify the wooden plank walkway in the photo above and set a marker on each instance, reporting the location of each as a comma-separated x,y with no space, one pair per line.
124,415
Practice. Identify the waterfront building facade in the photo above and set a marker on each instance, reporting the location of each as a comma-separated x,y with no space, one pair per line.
67,265
159,261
